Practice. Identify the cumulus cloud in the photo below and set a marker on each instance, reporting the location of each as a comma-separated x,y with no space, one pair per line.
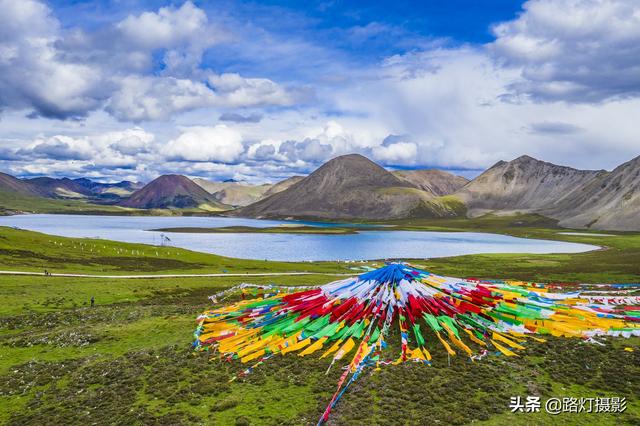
396,153
153,98
200,144
116,149
167,27
238,91
573,50
67,73
33,74
316,146
59,148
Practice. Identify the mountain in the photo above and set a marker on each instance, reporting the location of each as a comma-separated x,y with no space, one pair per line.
522,185
109,192
58,188
282,185
595,199
123,187
349,187
172,191
435,182
232,192
12,184
610,201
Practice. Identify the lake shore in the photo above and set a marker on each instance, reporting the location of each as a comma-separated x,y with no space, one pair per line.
309,241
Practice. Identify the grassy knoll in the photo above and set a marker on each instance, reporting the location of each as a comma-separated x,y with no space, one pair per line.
32,251
333,230
128,359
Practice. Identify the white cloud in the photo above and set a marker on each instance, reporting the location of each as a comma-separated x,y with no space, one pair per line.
166,28
184,32
199,144
115,149
239,92
69,73
155,98
33,74
573,50
396,153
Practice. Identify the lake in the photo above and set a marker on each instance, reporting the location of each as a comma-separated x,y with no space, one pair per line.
366,245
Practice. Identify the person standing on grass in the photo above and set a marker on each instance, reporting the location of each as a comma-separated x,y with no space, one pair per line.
93,301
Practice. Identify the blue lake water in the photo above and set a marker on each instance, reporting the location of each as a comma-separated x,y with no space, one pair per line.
366,245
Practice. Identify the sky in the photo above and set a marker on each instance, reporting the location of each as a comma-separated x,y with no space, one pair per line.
260,91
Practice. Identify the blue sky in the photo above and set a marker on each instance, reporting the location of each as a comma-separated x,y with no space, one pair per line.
384,28
261,90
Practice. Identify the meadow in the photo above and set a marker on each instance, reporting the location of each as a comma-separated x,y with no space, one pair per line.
127,360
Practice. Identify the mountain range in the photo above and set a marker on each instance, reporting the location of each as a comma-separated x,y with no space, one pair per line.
65,188
353,187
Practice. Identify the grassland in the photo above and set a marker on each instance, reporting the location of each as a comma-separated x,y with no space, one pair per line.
32,251
128,361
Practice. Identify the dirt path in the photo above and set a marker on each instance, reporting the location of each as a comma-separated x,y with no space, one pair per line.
263,274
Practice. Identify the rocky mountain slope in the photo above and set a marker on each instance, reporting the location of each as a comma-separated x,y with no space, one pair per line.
524,184
349,187
595,199
12,184
172,191
611,200
233,193
435,182
282,185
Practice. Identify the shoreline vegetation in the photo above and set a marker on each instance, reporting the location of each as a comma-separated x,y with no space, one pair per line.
128,358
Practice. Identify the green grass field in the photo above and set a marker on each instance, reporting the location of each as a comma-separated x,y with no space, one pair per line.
128,359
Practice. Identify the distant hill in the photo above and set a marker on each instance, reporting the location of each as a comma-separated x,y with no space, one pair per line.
120,189
24,196
232,192
172,191
282,185
82,188
12,184
435,182
349,187
59,188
